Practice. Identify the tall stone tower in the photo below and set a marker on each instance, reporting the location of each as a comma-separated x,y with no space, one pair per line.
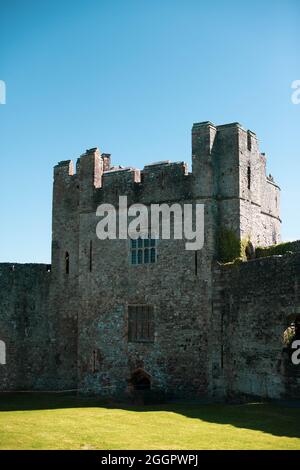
229,168
98,289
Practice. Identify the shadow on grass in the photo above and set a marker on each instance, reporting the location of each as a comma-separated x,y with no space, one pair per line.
270,418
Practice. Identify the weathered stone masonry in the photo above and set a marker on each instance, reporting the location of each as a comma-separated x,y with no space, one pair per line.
68,328
36,337
254,304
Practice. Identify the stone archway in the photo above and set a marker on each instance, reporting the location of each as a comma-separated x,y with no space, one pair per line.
140,380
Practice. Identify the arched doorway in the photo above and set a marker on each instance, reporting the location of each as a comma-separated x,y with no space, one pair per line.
140,380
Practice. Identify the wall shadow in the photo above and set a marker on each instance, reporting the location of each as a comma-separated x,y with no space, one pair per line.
278,419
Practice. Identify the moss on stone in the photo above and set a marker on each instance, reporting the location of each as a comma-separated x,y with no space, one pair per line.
279,249
230,247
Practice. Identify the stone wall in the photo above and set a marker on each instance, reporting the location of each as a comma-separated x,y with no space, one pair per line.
64,294
254,303
40,352
24,325
102,282
69,328
177,360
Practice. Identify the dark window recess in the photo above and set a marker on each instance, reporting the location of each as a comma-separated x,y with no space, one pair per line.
67,262
91,257
143,250
140,323
95,360
222,342
249,176
249,142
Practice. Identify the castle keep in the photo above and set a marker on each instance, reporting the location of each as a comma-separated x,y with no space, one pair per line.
110,316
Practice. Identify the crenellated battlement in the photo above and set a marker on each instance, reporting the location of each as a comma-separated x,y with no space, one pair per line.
159,181
210,148
109,306
228,174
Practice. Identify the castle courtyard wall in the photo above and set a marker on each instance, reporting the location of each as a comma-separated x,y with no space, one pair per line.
254,303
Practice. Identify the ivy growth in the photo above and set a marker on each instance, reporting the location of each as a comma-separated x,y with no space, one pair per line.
230,248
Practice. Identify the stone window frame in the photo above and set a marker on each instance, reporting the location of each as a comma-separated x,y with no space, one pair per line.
135,338
142,246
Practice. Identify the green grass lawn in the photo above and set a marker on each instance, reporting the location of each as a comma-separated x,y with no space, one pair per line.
61,422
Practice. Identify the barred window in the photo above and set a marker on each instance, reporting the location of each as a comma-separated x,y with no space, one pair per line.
143,250
140,323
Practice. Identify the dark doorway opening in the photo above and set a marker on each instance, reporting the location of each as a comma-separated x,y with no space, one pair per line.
140,380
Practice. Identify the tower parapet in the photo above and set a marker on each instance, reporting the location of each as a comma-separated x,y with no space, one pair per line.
228,176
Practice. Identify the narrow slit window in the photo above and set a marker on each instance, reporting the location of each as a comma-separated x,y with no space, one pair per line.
249,176
67,262
91,257
249,142
95,359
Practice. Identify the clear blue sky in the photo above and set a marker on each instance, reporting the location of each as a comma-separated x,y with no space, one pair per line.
131,76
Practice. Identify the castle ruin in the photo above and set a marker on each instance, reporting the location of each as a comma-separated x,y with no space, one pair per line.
110,315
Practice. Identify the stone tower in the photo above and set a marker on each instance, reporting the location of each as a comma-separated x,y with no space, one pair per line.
96,285
113,316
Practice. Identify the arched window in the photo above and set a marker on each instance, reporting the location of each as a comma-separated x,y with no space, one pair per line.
143,250
67,262
2,353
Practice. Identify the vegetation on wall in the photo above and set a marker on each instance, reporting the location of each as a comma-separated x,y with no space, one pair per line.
279,249
289,335
230,248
